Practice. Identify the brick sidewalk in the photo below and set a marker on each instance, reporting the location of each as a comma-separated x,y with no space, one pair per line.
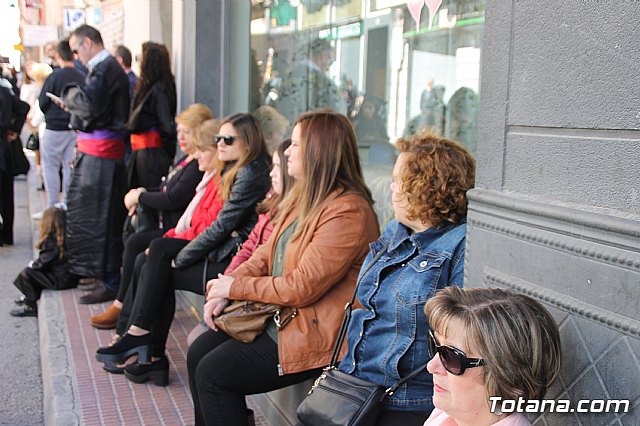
76,389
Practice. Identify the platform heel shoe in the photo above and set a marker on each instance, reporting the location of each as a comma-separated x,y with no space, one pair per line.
157,370
127,346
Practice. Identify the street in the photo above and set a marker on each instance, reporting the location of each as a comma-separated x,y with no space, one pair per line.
21,384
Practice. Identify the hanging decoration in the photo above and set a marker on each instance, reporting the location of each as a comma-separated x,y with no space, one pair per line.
415,9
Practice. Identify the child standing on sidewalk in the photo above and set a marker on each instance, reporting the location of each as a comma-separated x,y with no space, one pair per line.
49,270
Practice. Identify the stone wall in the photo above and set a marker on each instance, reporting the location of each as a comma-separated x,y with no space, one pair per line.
556,210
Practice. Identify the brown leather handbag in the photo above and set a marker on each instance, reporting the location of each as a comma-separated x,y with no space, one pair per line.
245,320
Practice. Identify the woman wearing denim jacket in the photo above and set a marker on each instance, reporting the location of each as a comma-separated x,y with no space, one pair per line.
423,252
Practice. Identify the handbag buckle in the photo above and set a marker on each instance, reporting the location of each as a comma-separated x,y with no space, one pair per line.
317,381
280,321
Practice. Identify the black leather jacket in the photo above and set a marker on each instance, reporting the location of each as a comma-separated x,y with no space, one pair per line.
102,102
236,219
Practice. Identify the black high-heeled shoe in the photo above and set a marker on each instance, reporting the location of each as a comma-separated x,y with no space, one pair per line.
127,346
156,370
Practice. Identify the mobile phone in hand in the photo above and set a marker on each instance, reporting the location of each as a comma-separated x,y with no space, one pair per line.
55,99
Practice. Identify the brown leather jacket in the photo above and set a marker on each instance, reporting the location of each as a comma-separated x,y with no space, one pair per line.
320,271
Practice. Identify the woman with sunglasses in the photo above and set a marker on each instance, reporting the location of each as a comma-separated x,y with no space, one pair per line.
421,250
242,167
488,343
167,202
308,266
280,184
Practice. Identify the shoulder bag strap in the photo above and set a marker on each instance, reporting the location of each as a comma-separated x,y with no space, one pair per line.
348,307
345,324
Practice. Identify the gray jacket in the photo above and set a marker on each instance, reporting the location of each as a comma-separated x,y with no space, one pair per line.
236,219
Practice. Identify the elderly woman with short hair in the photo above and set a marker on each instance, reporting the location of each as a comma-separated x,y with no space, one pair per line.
422,251
488,344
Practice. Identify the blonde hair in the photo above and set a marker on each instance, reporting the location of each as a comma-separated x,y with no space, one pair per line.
194,115
514,334
39,72
204,135
52,224
330,162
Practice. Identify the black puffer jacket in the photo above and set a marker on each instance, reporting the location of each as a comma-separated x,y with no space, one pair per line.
102,102
236,219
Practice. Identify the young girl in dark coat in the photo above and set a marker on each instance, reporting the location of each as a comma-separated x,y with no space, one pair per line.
49,270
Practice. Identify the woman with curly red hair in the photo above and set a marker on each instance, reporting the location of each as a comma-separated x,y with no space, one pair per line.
422,251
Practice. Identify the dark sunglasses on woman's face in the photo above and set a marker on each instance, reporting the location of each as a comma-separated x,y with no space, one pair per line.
228,140
453,359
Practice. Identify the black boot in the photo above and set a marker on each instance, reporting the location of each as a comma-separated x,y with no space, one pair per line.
156,370
127,346
25,310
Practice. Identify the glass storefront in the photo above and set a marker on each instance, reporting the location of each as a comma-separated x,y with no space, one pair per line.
395,67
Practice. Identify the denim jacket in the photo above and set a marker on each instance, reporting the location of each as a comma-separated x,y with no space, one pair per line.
387,339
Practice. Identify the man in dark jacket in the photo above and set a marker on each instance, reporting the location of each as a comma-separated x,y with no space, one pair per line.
13,112
58,142
99,110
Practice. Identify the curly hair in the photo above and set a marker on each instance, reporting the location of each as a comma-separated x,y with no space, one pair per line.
155,67
436,176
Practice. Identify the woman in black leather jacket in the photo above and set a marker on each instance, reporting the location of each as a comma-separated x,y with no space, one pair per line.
167,203
153,131
173,264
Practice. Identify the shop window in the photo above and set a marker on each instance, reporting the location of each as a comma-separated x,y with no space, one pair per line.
395,67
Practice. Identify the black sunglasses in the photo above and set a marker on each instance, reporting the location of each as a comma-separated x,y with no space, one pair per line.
228,140
453,359
75,51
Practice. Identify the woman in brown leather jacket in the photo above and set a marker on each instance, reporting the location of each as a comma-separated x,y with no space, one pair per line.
310,263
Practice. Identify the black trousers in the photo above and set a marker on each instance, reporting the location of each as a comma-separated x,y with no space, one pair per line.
135,244
150,302
31,282
223,370
6,204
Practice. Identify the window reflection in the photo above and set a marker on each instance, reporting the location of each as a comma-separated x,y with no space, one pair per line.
395,67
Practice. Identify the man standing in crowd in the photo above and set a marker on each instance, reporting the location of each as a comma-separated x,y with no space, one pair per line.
99,110
58,142
307,86
124,58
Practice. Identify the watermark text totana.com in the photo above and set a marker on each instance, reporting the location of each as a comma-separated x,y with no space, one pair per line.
499,405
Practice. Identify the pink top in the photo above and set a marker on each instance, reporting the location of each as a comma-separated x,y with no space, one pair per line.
440,418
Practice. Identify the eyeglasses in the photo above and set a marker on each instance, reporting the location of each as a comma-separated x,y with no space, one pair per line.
75,51
228,140
453,359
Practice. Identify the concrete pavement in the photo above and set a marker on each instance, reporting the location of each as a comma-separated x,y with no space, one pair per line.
21,384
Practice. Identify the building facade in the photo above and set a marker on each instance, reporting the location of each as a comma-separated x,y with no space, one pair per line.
555,212
556,209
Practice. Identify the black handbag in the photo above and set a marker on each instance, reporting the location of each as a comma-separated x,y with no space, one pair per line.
144,219
33,142
19,164
340,399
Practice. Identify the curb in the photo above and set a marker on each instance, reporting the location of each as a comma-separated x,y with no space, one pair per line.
60,400
61,404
